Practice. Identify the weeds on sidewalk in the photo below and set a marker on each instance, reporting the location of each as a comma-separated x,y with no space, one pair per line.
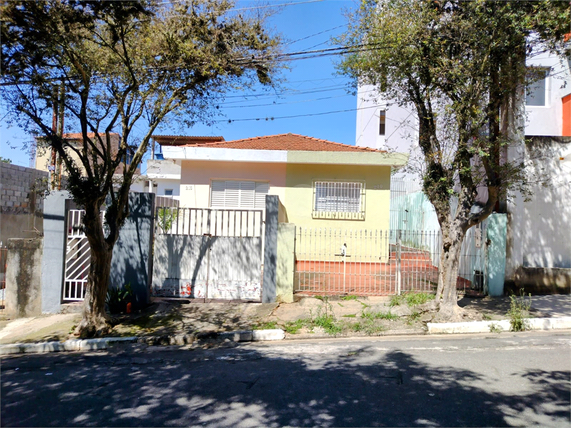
519,311
411,299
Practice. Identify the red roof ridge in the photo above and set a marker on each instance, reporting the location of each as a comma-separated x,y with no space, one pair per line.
289,134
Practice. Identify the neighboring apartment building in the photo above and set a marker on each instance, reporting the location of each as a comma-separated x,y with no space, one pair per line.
44,160
536,254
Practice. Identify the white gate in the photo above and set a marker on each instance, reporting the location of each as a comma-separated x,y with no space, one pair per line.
77,257
208,253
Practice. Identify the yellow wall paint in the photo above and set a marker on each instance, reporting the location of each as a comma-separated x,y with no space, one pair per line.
299,194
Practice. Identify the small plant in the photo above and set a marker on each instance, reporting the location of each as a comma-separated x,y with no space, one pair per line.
413,299
349,297
118,298
414,317
397,300
293,327
519,311
378,315
349,316
268,325
165,218
486,317
495,328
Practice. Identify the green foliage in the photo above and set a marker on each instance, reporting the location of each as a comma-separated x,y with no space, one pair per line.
366,314
349,297
397,300
519,311
414,317
117,298
494,328
165,218
268,325
411,299
5,160
293,327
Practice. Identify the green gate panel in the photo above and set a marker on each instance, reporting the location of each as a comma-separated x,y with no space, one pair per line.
496,254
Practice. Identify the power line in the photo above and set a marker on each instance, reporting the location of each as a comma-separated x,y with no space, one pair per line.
268,119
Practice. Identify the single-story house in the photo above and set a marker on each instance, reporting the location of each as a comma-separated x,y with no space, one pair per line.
321,184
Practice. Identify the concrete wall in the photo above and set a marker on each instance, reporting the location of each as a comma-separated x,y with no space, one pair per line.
23,278
539,227
132,254
285,262
21,204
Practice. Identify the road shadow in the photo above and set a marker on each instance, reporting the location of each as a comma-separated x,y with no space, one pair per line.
257,387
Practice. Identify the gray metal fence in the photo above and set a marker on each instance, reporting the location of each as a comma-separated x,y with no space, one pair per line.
376,262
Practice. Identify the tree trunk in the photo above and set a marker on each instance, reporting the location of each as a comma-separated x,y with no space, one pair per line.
95,320
446,293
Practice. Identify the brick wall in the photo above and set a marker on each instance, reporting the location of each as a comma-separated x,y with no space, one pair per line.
21,204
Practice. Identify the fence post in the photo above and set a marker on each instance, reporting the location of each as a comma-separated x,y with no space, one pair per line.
398,262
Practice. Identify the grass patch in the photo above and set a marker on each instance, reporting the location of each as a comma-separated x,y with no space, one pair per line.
411,299
397,300
293,327
268,325
486,317
495,328
366,326
349,297
378,315
349,316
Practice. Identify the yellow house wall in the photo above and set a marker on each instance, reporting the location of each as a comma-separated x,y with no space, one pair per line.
299,194
196,177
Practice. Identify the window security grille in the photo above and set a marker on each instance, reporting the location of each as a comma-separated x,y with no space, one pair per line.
238,194
339,200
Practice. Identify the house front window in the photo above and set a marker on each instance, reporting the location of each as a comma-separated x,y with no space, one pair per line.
339,200
238,194
537,90
168,192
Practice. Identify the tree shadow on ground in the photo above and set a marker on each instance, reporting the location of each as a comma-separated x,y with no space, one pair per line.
259,387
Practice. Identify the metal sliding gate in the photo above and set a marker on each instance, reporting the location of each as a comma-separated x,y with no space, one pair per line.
375,262
208,253
77,257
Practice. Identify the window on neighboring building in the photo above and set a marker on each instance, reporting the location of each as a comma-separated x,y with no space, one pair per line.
382,121
239,194
536,91
168,192
336,199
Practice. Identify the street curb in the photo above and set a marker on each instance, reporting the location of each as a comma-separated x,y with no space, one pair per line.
104,343
68,345
503,325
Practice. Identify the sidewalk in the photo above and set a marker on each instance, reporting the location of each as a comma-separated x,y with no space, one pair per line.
180,321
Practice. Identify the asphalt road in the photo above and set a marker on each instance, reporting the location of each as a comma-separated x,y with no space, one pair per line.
479,380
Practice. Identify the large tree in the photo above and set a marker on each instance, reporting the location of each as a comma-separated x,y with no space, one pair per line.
121,67
461,66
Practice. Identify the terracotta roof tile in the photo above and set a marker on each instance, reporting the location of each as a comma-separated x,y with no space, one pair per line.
291,142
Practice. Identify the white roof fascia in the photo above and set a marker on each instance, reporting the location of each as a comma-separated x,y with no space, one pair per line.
221,154
164,176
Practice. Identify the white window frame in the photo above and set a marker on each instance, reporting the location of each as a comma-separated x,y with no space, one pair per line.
547,88
344,200
238,194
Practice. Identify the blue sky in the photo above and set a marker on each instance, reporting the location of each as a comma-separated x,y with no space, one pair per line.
311,91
